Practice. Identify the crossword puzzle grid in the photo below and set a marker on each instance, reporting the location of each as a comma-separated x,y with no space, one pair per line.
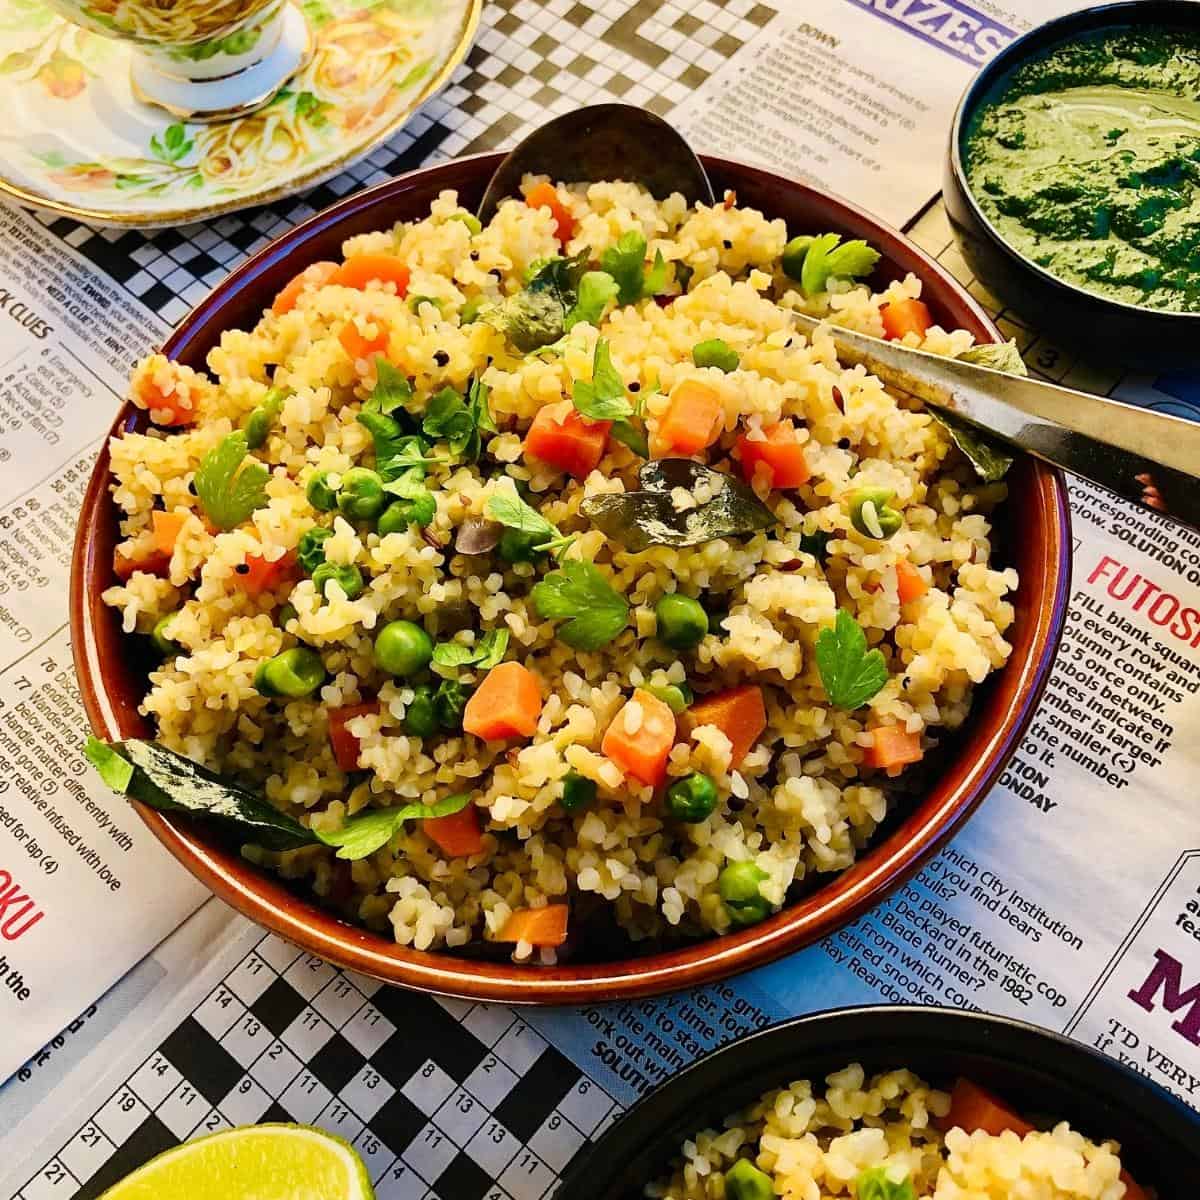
443,1099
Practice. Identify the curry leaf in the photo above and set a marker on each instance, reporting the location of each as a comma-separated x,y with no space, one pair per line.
579,595
228,491
850,673
367,832
650,517
529,320
167,781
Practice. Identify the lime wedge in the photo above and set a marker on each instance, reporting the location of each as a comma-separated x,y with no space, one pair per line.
263,1162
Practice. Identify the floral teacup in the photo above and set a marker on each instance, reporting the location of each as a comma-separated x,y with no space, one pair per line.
202,59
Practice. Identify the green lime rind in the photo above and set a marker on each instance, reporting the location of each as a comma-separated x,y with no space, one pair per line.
266,1162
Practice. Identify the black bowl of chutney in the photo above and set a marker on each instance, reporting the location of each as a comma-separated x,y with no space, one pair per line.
1073,181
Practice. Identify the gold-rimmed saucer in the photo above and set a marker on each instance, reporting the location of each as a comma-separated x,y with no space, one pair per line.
77,141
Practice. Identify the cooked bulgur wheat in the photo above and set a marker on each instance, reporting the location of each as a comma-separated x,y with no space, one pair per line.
800,802
815,1142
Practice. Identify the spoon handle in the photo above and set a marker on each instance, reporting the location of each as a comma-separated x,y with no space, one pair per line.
1148,458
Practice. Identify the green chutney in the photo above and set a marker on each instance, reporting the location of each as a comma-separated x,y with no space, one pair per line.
1087,161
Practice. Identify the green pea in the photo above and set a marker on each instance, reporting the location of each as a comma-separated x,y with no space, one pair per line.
310,553
361,496
469,220
676,696
294,673
450,700
320,495
400,514
682,622
738,885
692,798
161,637
516,546
471,310
744,1181
420,717
415,302
287,613
348,578
402,648
794,254
871,513
578,791
263,416
816,544
716,352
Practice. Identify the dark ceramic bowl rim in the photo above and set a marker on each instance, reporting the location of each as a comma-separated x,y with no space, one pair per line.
879,1033
1035,42
886,865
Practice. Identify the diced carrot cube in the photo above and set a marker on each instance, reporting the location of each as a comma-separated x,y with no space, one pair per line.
544,195
506,704
739,713
973,1107
345,745
458,835
892,748
312,277
546,926
910,583
639,740
905,316
359,346
567,440
361,269
260,575
690,421
166,529
153,562
164,409
780,451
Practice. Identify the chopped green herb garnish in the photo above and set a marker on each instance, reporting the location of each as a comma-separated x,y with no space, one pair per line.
579,595
367,832
485,654
596,289
850,672
228,491
603,399
391,391
825,259
626,263
513,513
876,1183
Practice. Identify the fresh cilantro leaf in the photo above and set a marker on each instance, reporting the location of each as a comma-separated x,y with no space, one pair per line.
228,491
477,402
825,260
632,436
367,832
485,654
392,390
656,277
626,263
596,289
850,672
512,512
447,416
116,771
603,399
876,1184
409,486
592,611
395,451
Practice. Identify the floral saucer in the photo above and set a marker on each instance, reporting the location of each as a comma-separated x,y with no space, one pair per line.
76,141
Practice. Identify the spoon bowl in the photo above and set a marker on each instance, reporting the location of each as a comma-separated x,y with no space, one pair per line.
600,142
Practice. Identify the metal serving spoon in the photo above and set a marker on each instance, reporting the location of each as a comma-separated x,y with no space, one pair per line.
603,141
1146,457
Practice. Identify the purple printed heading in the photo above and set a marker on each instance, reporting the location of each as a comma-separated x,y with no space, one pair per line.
947,24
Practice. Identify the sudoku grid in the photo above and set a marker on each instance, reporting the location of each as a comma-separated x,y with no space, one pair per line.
530,61
443,1099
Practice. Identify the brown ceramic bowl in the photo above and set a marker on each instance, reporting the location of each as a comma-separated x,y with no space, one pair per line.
1033,532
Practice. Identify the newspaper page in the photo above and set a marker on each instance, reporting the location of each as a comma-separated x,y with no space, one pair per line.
1072,897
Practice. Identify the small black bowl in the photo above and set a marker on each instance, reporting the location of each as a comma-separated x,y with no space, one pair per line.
1110,330
1036,1071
